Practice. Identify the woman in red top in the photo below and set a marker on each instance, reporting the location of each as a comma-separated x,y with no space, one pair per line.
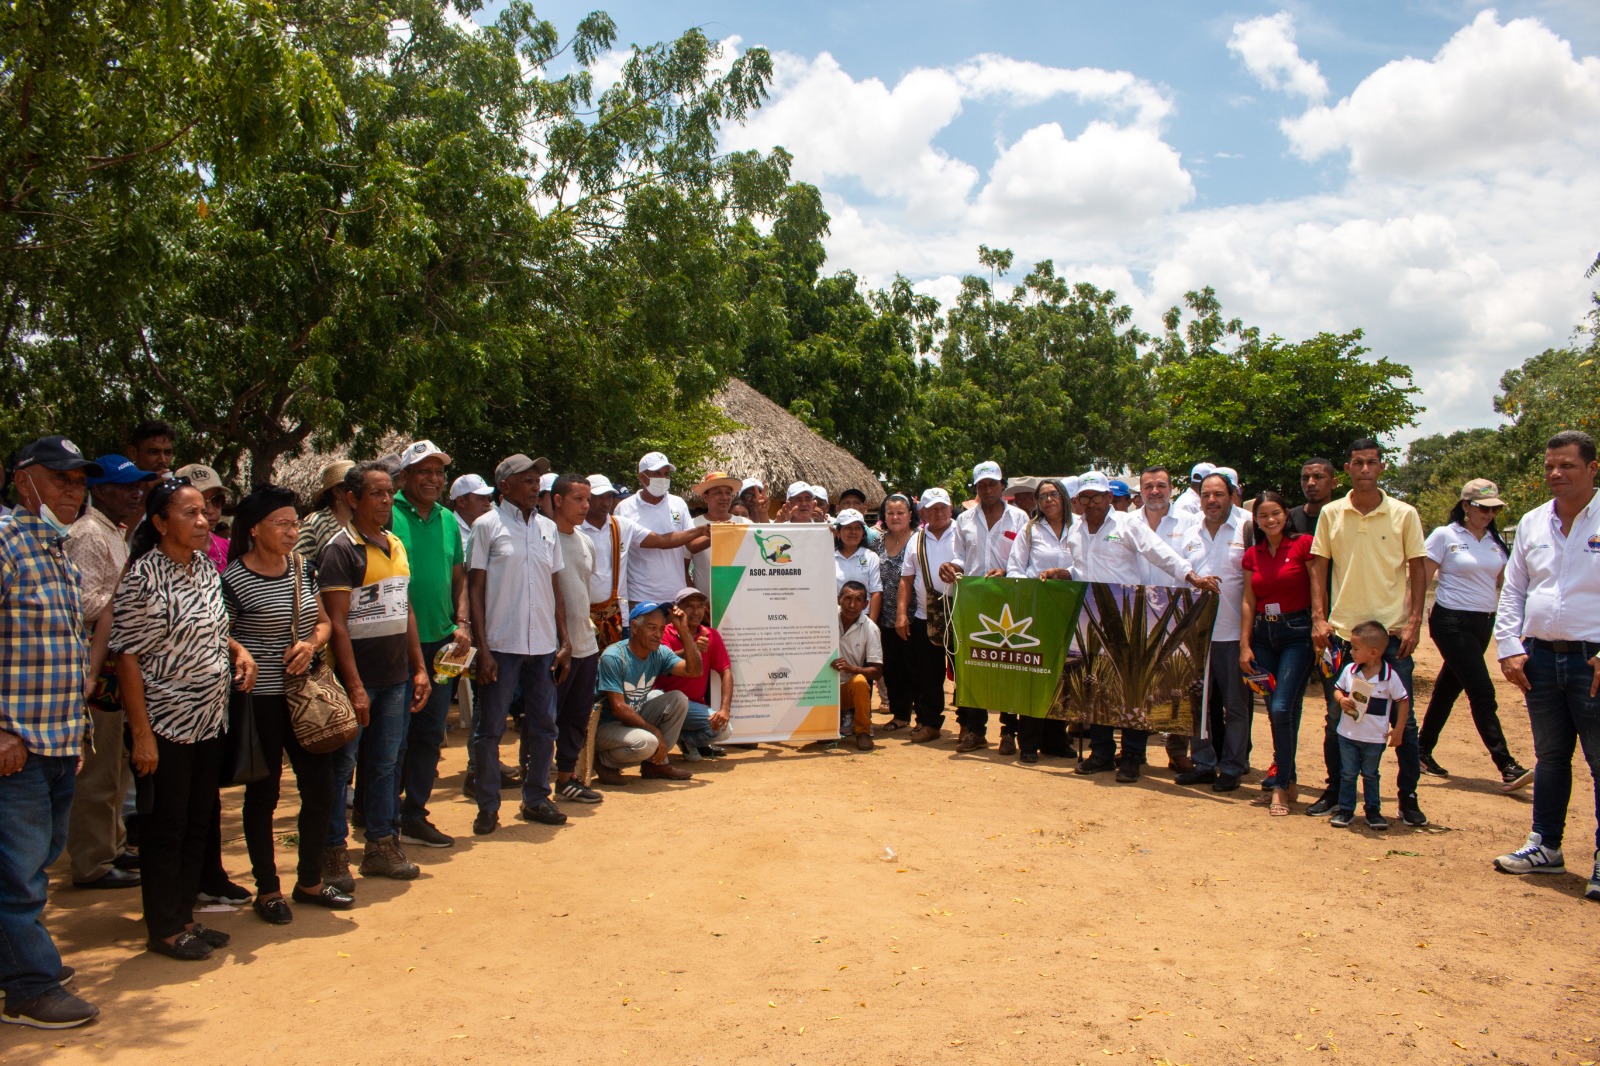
1276,635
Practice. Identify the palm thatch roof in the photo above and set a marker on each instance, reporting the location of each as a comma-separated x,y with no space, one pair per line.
778,448
302,470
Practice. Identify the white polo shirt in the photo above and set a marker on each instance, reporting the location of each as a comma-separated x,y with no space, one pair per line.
864,566
981,547
656,574
629,537
1187,502
1469,568
1173,529
1037,548
1113,552
1218,556
1552,588
519,558
941,549
701,560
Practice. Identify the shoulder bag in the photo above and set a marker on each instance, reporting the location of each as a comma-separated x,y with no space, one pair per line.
607,617
937,609
319,709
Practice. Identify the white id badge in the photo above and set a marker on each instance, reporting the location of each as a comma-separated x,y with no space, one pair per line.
1273,608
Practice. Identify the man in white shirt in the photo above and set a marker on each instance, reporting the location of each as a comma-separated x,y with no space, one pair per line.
1214,548
1548,631
656,574
717,489
1155,510
519,624
984,536
575,694
753,494
470,498
1189,503
930,548
615,542
1107,546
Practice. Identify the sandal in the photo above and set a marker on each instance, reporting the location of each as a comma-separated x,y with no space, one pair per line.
274,911
895,725
1279,806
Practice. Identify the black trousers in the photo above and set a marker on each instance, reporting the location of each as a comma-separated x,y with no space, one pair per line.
1462,637
929,667
899,673
313,775
172,847
574,701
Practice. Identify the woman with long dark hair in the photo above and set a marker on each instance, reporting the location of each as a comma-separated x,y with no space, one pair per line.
899,684
175,664
258,587
1468,556
1275,632
1040,551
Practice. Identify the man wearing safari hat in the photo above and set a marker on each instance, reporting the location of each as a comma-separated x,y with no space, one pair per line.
717,489
330,511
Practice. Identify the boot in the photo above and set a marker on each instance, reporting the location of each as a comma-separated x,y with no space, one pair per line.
336,868
383,858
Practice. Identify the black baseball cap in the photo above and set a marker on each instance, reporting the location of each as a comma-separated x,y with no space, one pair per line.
58,454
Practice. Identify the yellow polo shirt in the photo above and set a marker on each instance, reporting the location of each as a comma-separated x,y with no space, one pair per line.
1368,554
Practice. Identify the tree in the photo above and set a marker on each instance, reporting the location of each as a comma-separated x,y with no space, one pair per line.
1436,466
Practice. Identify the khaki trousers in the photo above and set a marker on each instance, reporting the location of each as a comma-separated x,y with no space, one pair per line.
95,835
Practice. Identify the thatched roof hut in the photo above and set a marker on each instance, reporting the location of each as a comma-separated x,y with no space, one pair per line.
301,471
778,448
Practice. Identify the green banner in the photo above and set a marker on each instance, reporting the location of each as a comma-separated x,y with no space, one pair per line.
1011,636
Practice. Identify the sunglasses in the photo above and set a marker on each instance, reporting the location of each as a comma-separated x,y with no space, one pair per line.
1489,510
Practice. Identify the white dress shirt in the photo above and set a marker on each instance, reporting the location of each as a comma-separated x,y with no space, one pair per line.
1037,548
519,557
1552,587
1187,503
981,547
1218,556
629,537
941,549
1112,553
656,574
1173,529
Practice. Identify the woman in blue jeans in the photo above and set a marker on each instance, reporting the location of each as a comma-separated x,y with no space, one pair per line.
1276,635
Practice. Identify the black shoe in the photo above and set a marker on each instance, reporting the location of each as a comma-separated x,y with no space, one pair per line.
544,812
1093,765
469,787
331,896
273,911
424,833
510,777
711,751
55,1009
128,860
1127,771
485,823
358,819
1029,757
215,937
1412,815
64,978
574,791
1196,777
1342,819
227,892
1328,802
112,878
1375,819
188,947
1008,744
1431,766
1514,777
1225,783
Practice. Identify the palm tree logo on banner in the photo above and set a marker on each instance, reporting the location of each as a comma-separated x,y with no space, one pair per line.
1002,632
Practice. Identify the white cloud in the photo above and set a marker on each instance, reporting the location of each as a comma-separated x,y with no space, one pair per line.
1495,96
1022,82
1268,49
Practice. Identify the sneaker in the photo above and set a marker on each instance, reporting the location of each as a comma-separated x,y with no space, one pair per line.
1093,765
1342,818
1593,889
485,823
1029,757
55,1009
383,858
1514,777
1431,766
1412,815
1127,771
227,892
336,868
424,834
575,791
544,812
1375,819
1532,858
1328,802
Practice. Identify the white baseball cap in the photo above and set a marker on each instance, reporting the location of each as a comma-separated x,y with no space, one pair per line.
547,482
820,493
655,461
799,488
469,485
599,485
1201,471
1230,473
1070,482
988,470
751,483
933,496
848,516
422,449
1093,481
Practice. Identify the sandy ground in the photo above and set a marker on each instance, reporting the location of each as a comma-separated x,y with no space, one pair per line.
750,916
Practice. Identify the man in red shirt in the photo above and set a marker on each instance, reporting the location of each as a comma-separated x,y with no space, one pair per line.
704,727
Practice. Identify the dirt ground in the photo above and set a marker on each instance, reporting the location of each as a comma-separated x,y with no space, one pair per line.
753,915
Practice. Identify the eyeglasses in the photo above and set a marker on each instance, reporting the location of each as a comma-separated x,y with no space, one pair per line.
284,524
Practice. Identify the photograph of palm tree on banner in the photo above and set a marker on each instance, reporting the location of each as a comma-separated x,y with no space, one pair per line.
1011,640
1140,659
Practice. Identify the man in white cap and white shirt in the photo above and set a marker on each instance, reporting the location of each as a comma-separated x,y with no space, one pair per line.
1107,547
798,503
656,574
547,481
716,489
470,497
984,536
616,541
1189,502
753,494
819,505
931,547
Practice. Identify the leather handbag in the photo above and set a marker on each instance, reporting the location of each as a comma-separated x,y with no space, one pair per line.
319,708
246,761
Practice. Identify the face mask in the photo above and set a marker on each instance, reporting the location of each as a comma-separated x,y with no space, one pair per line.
47,515
660,485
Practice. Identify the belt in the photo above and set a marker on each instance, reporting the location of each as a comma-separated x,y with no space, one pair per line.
1589,648
1285,614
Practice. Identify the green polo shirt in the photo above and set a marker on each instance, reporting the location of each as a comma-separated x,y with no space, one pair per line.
434,548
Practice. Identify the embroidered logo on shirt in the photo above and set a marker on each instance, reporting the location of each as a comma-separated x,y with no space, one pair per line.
1594,544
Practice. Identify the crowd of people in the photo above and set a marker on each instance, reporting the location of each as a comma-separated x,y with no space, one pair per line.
133,633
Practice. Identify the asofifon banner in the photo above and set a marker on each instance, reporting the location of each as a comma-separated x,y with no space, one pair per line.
772,600
1011,638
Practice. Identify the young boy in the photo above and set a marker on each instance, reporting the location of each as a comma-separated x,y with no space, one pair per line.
860,663
1375,704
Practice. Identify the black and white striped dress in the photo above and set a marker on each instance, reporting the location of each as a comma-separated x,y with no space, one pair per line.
261,609
172,617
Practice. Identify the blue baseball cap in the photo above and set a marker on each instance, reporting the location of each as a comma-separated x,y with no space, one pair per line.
119,470
642,609
1120,488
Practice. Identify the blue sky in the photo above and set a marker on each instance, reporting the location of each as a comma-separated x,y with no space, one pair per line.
1424,170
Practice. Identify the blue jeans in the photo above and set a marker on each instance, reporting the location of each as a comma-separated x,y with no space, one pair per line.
1283,649
697,727
1409,754
419,760
36,800
378,746
1363,758
532,673
1563,715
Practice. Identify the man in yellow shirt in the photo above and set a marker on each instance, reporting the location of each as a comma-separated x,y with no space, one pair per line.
1373,544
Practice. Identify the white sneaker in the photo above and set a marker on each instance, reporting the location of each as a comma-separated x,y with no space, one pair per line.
1593,891
1532,858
